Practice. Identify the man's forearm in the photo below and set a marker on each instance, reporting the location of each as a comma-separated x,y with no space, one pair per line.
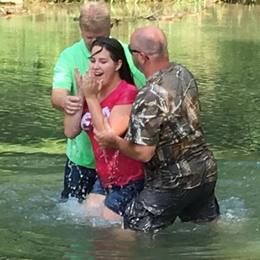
72,124
58,97
142,153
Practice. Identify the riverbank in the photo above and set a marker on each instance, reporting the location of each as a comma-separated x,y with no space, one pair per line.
156,10
9,9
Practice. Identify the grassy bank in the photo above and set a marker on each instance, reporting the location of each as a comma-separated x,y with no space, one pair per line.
120,10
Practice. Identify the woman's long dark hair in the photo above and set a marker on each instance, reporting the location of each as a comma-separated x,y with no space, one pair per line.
116,51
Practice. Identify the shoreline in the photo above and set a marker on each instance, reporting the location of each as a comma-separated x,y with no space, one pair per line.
153,11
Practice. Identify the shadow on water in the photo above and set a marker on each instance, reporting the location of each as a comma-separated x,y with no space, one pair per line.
219,47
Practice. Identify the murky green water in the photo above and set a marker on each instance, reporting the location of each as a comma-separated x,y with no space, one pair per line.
222,49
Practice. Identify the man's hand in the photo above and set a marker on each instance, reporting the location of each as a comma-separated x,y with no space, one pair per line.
106,138
72,104
62,100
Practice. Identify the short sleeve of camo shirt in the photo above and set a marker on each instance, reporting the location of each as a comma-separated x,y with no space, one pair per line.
148,113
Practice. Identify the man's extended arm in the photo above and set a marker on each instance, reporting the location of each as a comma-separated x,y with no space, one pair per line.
107,138
63,96
143,153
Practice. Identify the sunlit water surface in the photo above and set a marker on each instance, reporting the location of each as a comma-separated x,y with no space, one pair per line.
221,48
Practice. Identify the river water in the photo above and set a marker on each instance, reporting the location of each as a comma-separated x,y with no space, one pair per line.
221,47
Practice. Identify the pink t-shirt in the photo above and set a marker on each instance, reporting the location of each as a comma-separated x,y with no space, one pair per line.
113,167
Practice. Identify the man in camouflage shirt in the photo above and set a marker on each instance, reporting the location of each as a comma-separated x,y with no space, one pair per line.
165,133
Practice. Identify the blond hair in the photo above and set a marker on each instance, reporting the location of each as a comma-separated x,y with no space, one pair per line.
95,16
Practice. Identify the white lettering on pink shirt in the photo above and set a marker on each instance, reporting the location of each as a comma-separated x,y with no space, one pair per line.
86,122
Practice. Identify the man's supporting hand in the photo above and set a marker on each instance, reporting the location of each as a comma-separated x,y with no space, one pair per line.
72,104
106,138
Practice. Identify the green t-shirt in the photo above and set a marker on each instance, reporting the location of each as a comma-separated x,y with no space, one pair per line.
79,149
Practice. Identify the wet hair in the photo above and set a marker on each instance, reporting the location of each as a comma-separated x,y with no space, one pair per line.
116,51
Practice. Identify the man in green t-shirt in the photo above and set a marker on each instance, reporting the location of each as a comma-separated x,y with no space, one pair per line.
94,21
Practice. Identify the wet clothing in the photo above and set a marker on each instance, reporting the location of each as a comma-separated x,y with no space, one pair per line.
79,150
78,181
117,197
113,167
152,210
166,114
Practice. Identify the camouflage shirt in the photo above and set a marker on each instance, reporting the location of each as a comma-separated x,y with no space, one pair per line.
166,114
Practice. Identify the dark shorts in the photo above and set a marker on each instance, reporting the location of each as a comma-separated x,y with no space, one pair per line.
153,210
118,197
78,181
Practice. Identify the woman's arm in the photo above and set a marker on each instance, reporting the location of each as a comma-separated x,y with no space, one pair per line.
118,119
120,114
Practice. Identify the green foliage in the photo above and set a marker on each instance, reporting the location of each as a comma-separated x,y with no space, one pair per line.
245,2
26,2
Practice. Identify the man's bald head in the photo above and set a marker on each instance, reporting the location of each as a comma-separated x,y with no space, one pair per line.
148,46
150,40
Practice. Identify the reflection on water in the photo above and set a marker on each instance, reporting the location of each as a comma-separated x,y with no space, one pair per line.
221,47
233,211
